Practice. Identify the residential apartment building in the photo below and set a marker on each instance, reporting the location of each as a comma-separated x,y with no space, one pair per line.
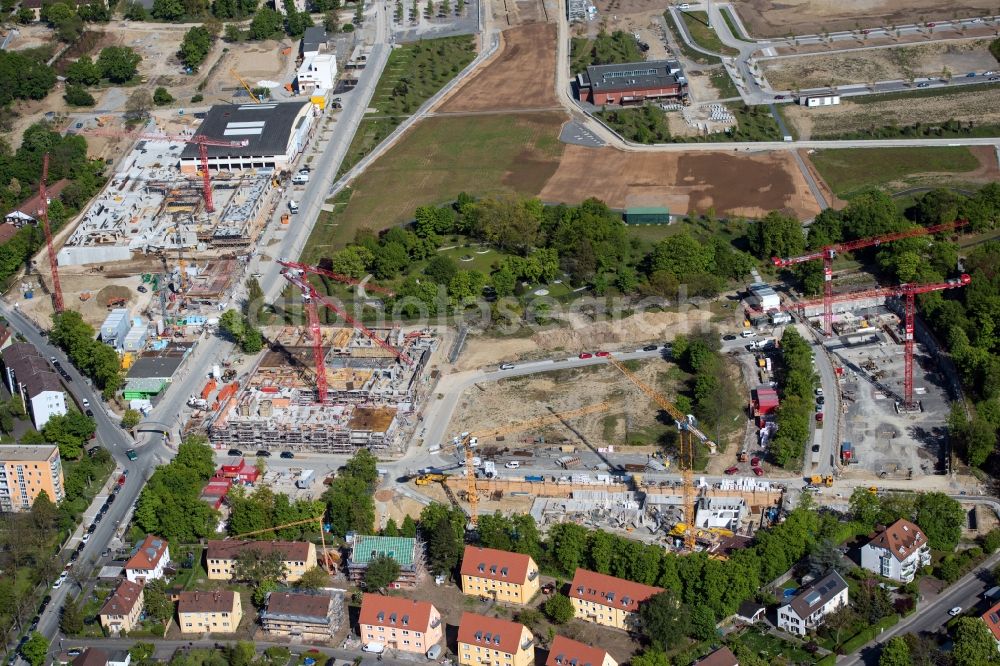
29,375
311,616
400,624
992,620
25,471
122,609
498,574
148,561
490,641
403,550
721,657
297,556
567,652
609,601
807,609
897,551
217,612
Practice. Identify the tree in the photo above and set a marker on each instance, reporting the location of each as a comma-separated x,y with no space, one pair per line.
71,619
974,644
161,97
83,72
266,23
118,64
134,11
665,620
559,608
36,649
444,546
156,602
776,235
131,418
350,506
255,566
78,96
409,527
313,579
441,269
703,625
941,518
168,10
242,653
138,103
654,656
261,590
353,261
196,46
381,572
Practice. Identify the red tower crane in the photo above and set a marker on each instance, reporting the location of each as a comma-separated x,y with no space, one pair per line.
310,298
828,252
908,292
43,214
203,142
339,277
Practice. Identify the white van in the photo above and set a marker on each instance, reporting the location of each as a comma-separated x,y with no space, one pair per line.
373,648
747,334
300,178
434,652
293,206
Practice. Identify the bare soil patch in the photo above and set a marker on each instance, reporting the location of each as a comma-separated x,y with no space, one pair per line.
766,18
511,13
732,184
881,64
503,84
981,107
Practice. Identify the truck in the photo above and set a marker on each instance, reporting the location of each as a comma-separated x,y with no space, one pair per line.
534,478
305,478
428,479
847,454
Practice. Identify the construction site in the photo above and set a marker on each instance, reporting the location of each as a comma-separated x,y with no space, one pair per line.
367,395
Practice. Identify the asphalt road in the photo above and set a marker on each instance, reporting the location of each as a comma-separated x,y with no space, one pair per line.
117,442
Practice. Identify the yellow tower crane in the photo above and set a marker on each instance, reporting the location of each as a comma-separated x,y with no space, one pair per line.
470,439
307,521
685,457
246,86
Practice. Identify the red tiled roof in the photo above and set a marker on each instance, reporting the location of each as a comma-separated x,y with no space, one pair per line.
91,657
992,620
7,231
148,555
495,564
567,652
610,591
381,611
122,600
503,635
721,657
297,551
901,539
31,206
215,601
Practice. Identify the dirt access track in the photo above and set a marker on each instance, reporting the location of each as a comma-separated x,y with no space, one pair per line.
766,18
521,76
732,184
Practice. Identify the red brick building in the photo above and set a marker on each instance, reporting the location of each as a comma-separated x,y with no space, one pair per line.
632,82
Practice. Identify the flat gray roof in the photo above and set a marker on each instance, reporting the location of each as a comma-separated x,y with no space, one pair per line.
633,75
266,127
18,452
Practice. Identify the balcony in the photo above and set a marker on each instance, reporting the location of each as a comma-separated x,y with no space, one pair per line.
526,645
436,623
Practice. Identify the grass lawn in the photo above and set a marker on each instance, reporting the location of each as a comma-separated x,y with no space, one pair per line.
704,36
689,53
648,124
730,21
437,159
723,83
770,648
413,74
605,49
849,170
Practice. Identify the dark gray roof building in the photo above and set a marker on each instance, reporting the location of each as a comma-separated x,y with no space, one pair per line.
633,76
272,135
314,39
158,367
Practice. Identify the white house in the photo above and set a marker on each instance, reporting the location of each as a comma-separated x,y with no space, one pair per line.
317,72
29,375
896,551
807,609
149,560
763,297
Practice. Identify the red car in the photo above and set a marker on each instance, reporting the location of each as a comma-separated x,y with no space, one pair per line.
758,471
121,480
819,417
586,355
732,470
603,354
931,25
755,462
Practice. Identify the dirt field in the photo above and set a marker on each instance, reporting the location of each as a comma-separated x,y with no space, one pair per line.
765,18
512,13
749,185
981,107
882,64
656,326
531,48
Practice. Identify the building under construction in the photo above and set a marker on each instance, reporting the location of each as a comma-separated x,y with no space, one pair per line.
369,393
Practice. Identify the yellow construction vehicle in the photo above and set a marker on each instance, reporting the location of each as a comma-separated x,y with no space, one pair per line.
828,480
816,480
428,479
246,86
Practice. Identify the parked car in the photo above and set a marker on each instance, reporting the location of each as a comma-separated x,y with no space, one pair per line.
586,355
755,462
603,354
86,403
141,289
263,454
89,413
92,528
131,454
924,85
287,455
815,448
56,585
235,452
757,471
955,611
732,470
506,366
820,400
512,464
819,391
971,75
650,348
